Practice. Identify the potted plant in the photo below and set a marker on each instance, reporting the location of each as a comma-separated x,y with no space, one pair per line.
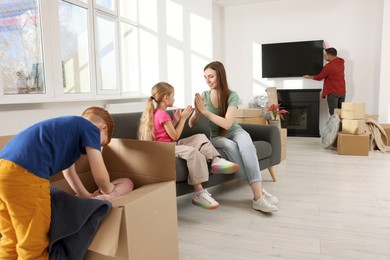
275,111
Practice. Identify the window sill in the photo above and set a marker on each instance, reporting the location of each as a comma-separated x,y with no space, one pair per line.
29,99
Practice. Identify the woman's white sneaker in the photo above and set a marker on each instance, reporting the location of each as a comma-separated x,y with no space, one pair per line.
263,205
271,198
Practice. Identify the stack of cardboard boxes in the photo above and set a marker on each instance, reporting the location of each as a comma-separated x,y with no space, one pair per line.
250,116
352,140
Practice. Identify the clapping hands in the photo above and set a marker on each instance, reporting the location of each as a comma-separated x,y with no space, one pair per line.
182,113
199,104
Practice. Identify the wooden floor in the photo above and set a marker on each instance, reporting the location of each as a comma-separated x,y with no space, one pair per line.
330,207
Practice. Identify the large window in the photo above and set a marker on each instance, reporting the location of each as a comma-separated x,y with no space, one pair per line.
106,49
74,48
21,60
85,47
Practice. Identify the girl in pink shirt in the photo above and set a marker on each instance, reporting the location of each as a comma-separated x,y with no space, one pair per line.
157,125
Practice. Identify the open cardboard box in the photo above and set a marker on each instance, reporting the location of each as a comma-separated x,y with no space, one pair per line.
143,223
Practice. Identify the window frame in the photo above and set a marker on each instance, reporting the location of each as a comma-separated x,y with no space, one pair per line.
51,52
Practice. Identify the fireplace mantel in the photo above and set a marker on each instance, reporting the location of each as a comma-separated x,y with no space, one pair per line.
304,111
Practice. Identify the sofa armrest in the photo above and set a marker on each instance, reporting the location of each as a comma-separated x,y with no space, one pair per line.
267,133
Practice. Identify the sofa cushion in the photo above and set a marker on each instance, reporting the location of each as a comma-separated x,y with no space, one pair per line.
263,148
126,125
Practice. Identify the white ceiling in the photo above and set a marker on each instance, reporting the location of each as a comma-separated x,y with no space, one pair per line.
239,2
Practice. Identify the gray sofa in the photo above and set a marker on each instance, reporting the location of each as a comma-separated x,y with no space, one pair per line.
265,138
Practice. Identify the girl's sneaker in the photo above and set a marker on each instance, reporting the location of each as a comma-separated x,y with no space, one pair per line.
204,200
223,166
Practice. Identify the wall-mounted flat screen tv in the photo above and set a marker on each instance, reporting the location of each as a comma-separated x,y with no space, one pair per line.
292,59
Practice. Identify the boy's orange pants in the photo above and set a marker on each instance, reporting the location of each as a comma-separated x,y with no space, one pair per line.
25,213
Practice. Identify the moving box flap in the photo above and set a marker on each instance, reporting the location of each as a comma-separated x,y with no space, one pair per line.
85,177
106,238
4,140
144,162
153,218
138,193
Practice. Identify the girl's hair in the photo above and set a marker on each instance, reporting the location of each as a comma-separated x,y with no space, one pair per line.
146,127
223,90
100,115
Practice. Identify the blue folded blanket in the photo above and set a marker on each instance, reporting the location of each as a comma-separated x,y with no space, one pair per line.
74,222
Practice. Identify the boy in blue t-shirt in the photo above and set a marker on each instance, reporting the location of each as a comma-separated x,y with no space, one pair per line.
26,164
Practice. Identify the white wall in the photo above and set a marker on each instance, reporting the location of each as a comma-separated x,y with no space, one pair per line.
218,32
384,91
353,27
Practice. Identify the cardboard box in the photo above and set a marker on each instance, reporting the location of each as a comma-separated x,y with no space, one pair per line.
353,126
147,230
249,112
4,140
252,120
283,138
272,95
250,116
386,127
353,110
143,223
348,144
374,117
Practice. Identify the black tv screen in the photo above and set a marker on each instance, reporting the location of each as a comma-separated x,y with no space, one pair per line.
292,59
